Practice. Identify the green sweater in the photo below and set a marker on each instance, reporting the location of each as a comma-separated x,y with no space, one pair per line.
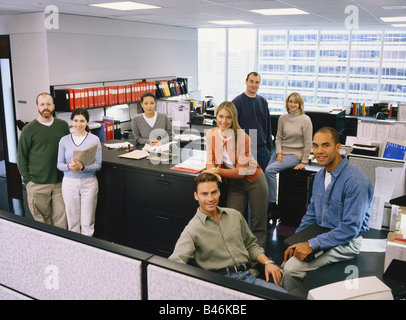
38,151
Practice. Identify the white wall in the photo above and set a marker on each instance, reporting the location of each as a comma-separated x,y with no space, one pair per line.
86,49
29,59
28,45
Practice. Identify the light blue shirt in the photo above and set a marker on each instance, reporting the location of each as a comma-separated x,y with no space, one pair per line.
344,206
65,155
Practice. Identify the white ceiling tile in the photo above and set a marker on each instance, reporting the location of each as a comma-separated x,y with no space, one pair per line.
328,14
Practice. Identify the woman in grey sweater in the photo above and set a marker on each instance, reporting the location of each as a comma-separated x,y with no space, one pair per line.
293,144
151,127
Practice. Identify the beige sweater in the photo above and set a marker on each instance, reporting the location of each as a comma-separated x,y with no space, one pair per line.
294,135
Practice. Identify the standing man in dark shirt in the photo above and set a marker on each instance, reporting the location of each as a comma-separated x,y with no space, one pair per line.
37,159
253,113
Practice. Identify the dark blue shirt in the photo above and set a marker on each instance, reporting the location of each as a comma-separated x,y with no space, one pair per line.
253,113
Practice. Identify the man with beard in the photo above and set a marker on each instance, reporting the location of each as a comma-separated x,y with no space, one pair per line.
37,159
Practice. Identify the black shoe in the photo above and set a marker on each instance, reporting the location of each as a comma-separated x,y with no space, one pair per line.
273,213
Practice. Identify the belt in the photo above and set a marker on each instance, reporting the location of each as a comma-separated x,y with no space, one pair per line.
235,269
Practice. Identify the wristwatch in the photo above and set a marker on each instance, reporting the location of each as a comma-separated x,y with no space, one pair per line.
269,261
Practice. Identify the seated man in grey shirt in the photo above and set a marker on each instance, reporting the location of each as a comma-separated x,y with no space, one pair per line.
219,239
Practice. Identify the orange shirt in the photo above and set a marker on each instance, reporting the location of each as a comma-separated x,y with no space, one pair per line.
245,164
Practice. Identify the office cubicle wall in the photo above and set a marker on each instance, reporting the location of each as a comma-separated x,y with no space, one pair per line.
10,294
50,263
369,164
165,284
38,261
170,280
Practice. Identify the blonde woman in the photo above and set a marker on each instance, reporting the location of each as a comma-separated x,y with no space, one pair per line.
293,143
230,158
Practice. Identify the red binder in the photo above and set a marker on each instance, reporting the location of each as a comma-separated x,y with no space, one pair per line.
70,96
103,96
109,130
90,93
128,95
85,98
121,94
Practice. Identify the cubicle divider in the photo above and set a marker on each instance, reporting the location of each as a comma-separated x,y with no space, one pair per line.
368,164
169,280
39,261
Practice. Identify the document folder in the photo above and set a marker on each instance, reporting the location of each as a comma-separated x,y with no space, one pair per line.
305,235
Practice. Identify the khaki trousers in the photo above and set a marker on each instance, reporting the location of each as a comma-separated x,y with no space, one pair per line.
240,193
295,270
46,203
80,197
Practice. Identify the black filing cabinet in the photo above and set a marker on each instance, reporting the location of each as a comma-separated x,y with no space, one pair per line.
295,190
158,207
334,119
110,219
144,205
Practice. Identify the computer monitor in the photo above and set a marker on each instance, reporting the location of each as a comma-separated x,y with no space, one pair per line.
399,193
394,150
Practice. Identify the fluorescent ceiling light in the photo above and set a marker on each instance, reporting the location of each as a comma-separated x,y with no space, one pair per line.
393,19
394,7
399,25
230,22
124,5
280,12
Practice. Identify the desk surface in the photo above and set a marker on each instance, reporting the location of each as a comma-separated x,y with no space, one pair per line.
363,265
112,156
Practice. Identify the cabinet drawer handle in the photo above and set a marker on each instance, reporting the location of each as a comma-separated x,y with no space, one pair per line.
163,251
163,182
162,218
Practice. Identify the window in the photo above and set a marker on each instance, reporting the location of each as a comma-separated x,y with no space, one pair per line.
302,62
393,78
328,68
241,59
364,67
272,60
332,68
212,63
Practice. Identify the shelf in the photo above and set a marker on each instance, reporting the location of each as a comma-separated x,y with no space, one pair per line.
100,95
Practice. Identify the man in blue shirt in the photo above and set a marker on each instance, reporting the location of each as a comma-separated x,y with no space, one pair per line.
253,114
341,201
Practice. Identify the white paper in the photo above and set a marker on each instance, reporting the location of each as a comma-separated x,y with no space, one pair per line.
179,112
118,145
193,163
373,245
394,251
385,179
187,137
136,154
158,149
394,217
351,140
402,112
377,130
161,106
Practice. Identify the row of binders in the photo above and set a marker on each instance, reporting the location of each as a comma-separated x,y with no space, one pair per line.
360,109
171,88
68,99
